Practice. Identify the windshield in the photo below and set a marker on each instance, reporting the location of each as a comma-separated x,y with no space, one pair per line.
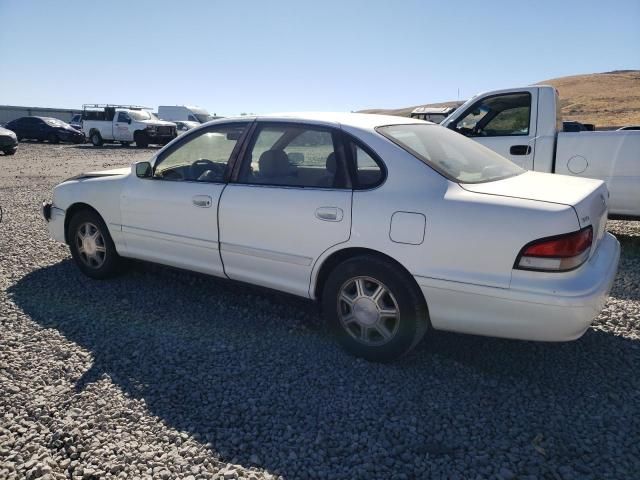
54,122
453,155
140,115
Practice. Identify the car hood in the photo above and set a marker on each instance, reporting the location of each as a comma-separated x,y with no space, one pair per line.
158,123
7,132
101,173
588,197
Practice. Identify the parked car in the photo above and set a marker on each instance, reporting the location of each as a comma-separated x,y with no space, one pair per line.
125,124
525,126
395,225
76,121
8,141
184,126
45,128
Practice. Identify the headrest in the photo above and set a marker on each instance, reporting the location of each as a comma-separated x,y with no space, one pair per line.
274,163
331,163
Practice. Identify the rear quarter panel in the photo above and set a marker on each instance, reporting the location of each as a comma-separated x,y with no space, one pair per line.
469,237
613,157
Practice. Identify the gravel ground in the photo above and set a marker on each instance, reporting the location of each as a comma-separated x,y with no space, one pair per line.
167,374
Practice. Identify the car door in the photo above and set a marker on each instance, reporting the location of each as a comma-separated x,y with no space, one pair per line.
171,217
121,127
505,123
40,129
289,201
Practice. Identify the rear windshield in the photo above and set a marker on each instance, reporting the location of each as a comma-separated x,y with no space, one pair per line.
453,155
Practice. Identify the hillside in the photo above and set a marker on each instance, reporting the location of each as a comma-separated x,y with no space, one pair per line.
604,99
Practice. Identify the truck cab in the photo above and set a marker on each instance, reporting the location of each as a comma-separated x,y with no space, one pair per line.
525,125
125,124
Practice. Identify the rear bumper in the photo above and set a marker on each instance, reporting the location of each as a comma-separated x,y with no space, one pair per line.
55,221
563,312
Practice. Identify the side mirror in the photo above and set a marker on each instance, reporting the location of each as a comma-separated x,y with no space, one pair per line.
129,121
143,170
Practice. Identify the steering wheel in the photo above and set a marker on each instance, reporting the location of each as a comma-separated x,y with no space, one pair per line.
215,171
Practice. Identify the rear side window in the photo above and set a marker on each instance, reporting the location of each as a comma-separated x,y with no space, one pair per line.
294,156
369,172
454,156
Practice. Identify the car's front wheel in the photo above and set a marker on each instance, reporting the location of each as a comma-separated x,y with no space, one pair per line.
91,245
374,308
11,150
141,139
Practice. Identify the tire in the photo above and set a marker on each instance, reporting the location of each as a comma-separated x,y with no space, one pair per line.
53,138
96,139
355,318
141,139
95,258
11,151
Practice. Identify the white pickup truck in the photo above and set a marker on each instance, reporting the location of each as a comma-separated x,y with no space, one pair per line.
525,126
125,124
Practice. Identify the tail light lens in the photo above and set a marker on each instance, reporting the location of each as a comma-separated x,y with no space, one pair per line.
556,254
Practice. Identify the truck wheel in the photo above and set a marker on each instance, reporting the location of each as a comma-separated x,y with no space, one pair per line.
53,138
141,139
96,139
91,246
374,308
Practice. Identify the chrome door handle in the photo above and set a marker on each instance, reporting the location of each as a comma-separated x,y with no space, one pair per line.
329,214
203,201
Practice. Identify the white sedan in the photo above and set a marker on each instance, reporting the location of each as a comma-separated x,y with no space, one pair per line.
395,225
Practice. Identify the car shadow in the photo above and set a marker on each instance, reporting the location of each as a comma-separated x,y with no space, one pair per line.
255,376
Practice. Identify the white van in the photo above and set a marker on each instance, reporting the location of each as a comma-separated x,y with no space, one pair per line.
184,113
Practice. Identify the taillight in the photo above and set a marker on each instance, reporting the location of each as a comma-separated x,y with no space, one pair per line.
556,254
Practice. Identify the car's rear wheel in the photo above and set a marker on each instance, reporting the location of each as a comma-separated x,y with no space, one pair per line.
10,151
96,139
374,308
91,245
53,138
142,140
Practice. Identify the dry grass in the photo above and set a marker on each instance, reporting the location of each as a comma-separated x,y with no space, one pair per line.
604,99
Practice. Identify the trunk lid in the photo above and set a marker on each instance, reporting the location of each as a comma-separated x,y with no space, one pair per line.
588,197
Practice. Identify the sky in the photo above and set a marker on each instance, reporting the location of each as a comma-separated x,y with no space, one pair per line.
253,56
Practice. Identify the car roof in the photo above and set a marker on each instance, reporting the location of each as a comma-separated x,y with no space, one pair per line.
358,120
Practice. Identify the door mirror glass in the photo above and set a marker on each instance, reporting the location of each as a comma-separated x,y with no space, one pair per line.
129,121
143,169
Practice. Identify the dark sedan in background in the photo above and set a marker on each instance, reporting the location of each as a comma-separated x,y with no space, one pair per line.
8,141
45,128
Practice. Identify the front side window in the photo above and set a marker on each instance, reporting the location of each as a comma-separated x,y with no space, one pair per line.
202,157
294,155
456,157
123,117
497,116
